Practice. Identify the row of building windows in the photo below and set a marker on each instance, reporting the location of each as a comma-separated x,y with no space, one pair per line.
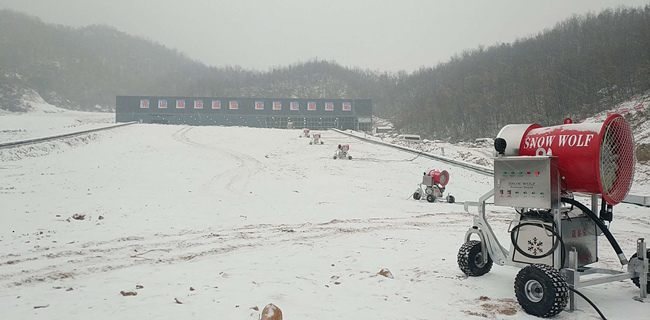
234,105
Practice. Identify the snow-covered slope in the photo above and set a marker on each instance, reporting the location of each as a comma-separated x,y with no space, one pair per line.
214,222
44,119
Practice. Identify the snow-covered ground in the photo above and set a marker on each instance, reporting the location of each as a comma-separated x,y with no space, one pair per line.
214,222
45,120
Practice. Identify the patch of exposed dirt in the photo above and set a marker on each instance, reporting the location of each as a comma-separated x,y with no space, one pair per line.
494,309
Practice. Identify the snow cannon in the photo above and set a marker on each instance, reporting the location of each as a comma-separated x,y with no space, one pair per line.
553,236
315,139
433,186
342,152
305,133
439,177
593,158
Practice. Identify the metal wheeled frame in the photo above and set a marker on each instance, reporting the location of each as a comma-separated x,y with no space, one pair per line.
570,272
436,191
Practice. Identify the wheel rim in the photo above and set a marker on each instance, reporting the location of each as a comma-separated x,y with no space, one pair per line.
478,260
534,291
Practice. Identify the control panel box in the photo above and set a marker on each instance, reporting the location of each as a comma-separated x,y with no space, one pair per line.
528,182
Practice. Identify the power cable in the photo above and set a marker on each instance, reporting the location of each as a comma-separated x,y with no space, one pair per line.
418,155
602,316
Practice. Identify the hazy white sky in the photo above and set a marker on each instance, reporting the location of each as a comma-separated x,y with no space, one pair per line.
259,34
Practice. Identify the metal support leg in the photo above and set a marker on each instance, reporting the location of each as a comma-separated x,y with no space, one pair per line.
594,204
642,252
573,278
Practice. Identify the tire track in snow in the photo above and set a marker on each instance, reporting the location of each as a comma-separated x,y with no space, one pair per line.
87,258
237,178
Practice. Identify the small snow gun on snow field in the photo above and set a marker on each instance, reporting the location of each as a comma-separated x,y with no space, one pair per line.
342,152
554,237
433,186
305,133
315,139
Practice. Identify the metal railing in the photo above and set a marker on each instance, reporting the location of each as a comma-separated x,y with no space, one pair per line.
631,198
466,165
13,144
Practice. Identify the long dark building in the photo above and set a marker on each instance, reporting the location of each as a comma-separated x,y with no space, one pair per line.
355,114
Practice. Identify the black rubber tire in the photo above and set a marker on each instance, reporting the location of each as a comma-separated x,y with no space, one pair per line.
349,157
334,157
310,143
541,290
321,142
451,199
470,259
636,281
431,198
417,196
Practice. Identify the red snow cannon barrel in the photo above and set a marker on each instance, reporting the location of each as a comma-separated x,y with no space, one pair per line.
596,158
439,177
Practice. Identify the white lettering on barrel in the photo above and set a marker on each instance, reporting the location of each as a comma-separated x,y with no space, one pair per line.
580,144
575,140
530,143
538,142
572,140
549,140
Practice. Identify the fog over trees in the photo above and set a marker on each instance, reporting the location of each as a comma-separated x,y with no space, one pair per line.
579,67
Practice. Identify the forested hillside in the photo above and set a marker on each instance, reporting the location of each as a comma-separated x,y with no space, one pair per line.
581,66
84,67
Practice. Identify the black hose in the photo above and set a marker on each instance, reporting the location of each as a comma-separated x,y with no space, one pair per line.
602,316
526,254
547,227
601,226
564,185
